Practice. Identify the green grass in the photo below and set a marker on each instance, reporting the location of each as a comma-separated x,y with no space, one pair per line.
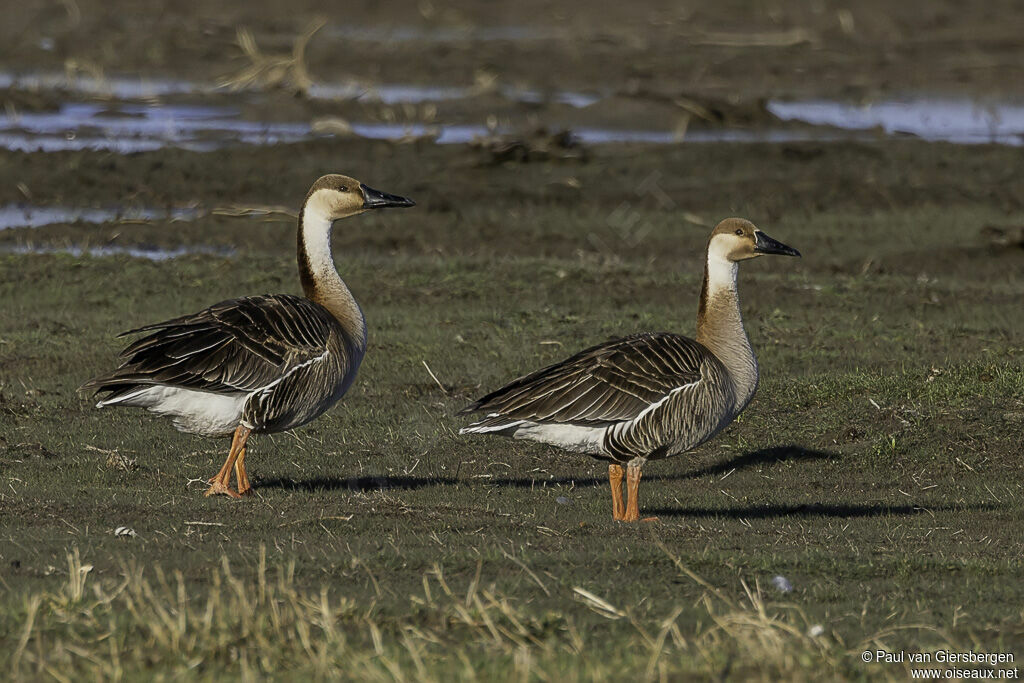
878,468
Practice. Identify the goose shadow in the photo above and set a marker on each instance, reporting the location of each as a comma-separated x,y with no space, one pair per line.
839,510
360,484
765,456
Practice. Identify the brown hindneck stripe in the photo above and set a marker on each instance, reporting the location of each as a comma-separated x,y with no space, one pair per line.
309,287
334,296
702,307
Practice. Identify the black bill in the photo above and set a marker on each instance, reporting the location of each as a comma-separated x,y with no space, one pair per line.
375,199
767,245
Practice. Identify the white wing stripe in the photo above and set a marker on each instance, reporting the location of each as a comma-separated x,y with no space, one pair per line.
322,357
666,397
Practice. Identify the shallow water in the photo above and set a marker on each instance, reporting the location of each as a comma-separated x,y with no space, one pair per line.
138,128
598,136
391,93
126,127
129,88
135,128
148,253
960,121
386,93
21,216
573,99
120,87
86,126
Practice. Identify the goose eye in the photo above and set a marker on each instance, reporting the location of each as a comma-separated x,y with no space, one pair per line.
739,231
342,189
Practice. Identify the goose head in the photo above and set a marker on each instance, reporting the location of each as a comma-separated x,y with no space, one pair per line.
737,239
337,196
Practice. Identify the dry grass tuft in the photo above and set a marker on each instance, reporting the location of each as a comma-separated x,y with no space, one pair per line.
266,626
269,72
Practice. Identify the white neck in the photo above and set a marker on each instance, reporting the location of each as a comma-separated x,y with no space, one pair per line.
720,326
321,281
722,275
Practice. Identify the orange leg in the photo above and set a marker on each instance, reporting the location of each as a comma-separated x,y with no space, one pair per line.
221,482
633,489
243,479
615,472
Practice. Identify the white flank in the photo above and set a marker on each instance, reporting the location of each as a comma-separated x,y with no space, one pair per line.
198,412
576,438
579,438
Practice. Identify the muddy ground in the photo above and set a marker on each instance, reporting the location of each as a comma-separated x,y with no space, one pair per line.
661,48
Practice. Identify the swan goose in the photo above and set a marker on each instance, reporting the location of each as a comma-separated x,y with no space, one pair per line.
256,364
647,396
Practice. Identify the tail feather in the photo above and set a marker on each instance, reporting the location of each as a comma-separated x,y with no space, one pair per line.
97,384
493,424
115,387
123,395
158,326
473,407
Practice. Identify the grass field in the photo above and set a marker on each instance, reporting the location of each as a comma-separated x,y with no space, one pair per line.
878,469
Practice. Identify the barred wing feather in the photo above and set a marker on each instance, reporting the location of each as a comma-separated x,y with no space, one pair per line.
235,346
608,383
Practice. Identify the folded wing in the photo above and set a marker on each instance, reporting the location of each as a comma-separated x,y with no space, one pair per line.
612,382
236,346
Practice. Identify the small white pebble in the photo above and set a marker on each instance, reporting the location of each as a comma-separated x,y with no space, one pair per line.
562,500
123,531
782,584
816,631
